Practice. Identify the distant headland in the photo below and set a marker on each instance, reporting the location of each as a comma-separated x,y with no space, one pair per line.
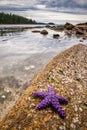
14,19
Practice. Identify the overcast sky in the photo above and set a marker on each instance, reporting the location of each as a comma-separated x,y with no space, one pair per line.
58,11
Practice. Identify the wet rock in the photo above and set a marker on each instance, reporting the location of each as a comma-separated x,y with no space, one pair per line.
68,32
58,28
48,26
82,23
35,31
69,26
56,36
44,32
84,38
81,40
79,31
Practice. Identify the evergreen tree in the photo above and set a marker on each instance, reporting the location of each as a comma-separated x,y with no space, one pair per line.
14,19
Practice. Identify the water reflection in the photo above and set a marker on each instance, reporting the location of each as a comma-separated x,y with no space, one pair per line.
10,32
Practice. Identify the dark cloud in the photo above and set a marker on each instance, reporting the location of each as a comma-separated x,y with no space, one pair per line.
70,6
64,3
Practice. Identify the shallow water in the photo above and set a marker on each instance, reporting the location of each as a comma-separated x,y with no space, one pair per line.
20,49
22,56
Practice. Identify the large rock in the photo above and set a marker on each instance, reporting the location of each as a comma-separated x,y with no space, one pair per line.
44,32
78,30
68,26
67,73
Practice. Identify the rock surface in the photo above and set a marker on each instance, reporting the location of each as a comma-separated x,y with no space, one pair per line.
56,36
80,30
68,26
44,32
36,31
67,73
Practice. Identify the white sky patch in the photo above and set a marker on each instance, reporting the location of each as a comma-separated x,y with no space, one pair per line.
55,17
18,2
41,6
4,2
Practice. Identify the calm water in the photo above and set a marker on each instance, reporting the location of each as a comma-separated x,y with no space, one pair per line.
27,51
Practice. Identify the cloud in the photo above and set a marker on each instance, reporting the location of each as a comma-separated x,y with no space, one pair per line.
81,2
64,3
70,6
18,2
17,5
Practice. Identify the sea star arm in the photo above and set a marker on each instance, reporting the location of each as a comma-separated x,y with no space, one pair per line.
61,99
51,90
43,104
56,105
41,94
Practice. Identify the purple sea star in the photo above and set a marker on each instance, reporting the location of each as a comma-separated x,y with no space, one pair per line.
51,98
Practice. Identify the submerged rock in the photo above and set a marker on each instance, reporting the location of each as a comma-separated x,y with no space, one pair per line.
36,31
56,36
44,32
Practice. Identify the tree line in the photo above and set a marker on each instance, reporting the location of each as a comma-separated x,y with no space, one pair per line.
14,19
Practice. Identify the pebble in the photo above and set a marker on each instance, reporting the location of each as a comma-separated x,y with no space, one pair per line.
62,127
75,108
72,126
79,101
80,109
72,91
32,105
75,120
19,127
28,98
7,90
3,96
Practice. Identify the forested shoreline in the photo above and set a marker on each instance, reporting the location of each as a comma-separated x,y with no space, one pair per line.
14,19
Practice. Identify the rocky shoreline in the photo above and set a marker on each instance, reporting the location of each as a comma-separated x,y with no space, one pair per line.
79,30
67,73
